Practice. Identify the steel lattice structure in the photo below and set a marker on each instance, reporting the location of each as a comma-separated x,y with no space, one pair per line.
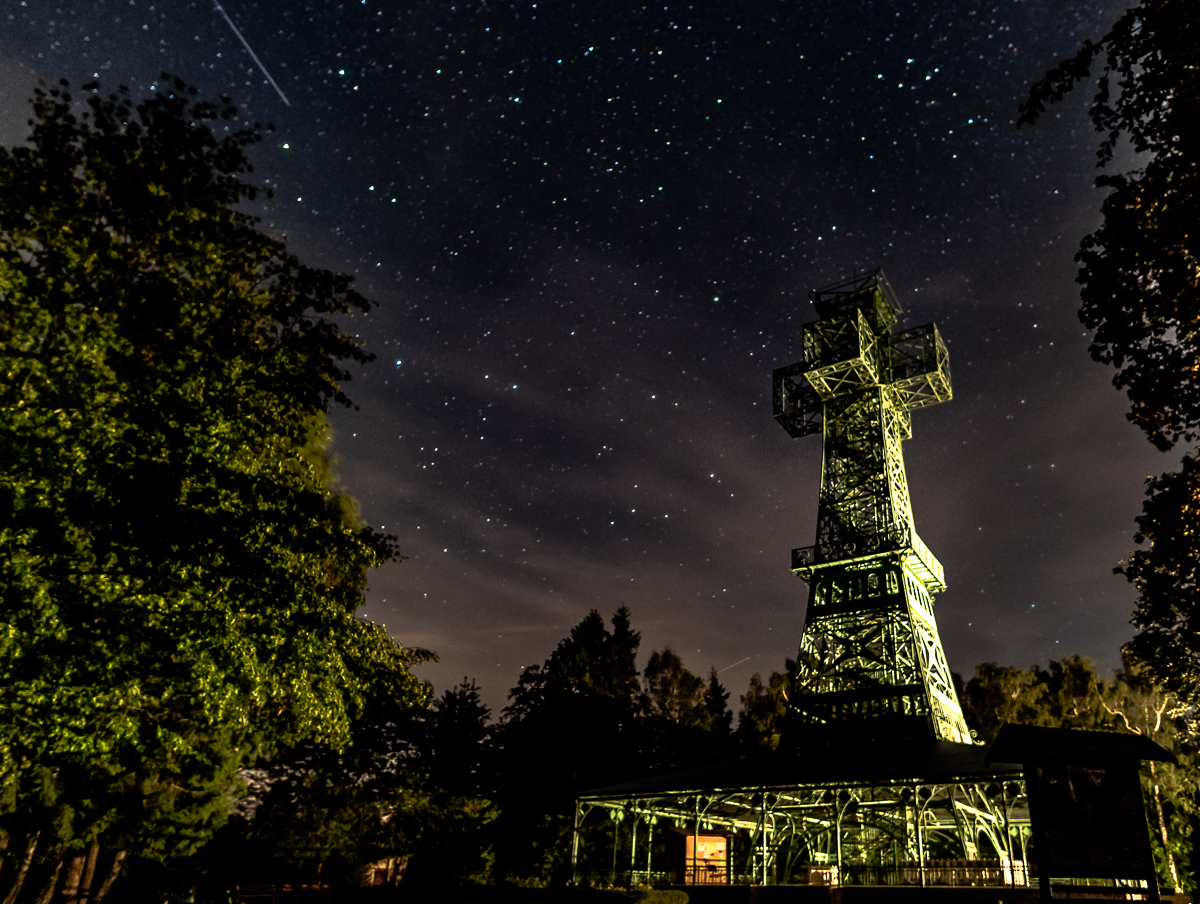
970,830
870,656
876,779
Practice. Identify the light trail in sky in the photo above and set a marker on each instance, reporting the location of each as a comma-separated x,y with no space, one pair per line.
728,667
253,55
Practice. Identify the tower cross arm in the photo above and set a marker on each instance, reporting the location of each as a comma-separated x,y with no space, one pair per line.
920,367
870,656
794,403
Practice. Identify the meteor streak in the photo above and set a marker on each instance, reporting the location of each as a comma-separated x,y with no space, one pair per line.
253,55
728,667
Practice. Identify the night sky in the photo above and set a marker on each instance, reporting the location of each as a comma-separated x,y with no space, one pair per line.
590,228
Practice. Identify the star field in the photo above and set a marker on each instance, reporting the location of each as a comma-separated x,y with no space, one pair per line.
590,229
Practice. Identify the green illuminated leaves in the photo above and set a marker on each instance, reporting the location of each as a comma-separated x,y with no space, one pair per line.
178,580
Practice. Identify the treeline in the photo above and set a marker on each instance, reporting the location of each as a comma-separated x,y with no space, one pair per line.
446,795
1070,694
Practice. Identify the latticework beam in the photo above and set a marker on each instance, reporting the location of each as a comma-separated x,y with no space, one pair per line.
870,654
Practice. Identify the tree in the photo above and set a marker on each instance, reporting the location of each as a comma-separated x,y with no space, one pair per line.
672,693
1167,577
1070,694
761,721
999,694
1137,704
460,769
179,580
1140,273
685,721
716,707
1141,282
1066,694
572,724
460,750
319,814
412,791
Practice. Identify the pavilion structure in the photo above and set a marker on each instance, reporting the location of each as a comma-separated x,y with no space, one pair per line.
877,780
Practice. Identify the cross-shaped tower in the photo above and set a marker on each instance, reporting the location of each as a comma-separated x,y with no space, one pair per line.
870,658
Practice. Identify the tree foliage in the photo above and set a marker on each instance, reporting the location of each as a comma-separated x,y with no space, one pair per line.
460,743
685,719
1167,577
585,719
405,791
763,716
319,813
1140,271
1070,694
1065,694
449,795
571,725
179,579
672,694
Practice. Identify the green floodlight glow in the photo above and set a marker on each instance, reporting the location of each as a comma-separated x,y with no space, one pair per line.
864,791
870,656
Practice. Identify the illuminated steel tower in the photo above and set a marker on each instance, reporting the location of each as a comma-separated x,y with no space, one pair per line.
870,658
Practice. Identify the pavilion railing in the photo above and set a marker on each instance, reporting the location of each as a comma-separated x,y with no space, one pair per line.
990,873
985,873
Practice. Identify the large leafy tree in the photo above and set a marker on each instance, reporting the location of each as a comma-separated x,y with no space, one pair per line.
1134,702
1140,273
179,580
460,747
1067,693
317,813
585,719
1167,575
672,693
459,764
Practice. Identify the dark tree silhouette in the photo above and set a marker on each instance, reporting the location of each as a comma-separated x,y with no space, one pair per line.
1141,286
1141,294
1167,576
461,752
572,724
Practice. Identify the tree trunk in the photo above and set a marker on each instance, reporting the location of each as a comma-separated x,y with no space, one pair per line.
3,847
89,872
23,870
1162,828
70,889
47,891
110,878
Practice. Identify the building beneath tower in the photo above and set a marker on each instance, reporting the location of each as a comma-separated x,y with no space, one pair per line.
877,780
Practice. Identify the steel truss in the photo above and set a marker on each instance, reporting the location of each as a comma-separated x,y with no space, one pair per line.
957,832
876,779
870,654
